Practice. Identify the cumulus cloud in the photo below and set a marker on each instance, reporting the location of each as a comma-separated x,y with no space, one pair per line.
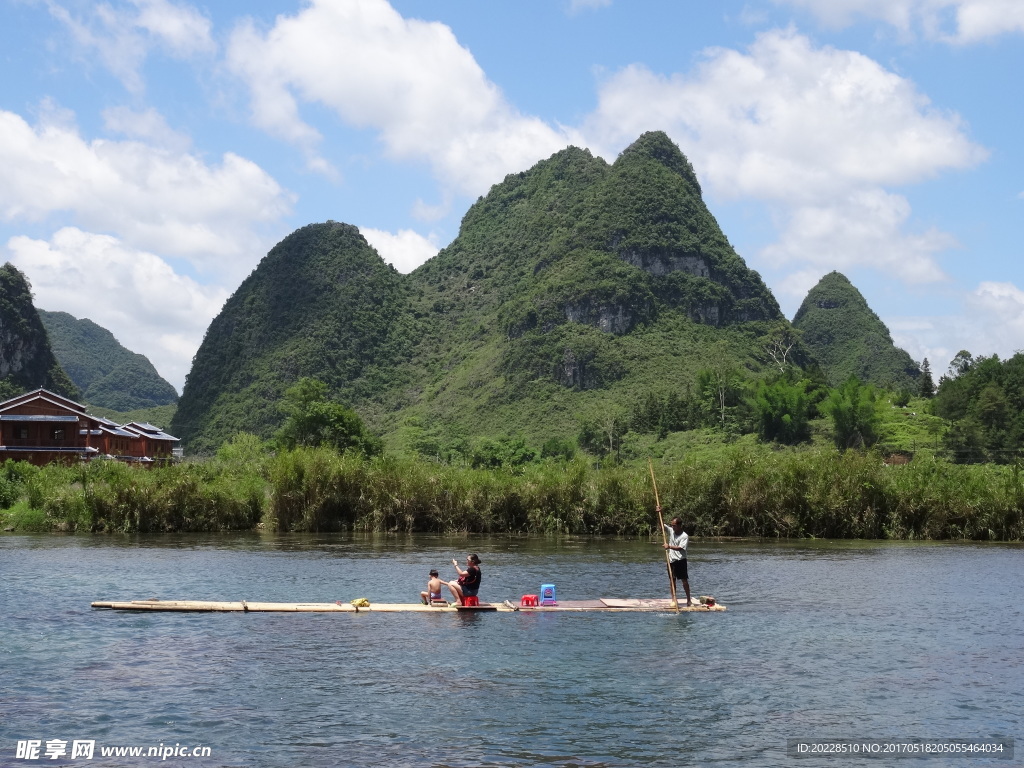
788,120
815,132
954,21
154,199
408,80
867,229
147,125
120,35
404,250
990,321
999,307
133,293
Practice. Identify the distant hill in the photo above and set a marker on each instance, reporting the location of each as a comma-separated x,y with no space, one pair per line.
108,374
848,339
26,359
572,289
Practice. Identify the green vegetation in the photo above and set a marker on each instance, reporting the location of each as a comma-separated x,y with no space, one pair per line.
26,359
983,399
326,474
159,415
587,316
321,304
108,375
570,291
848,339
738,490
313,420
854,413
783,409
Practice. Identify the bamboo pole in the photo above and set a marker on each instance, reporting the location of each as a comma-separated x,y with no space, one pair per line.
664,537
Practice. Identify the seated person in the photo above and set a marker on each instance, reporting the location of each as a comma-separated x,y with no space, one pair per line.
433,591
469,580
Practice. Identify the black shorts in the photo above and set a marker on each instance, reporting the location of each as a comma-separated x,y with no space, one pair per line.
679,570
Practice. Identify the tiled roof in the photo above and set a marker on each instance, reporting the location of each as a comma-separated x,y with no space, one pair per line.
35,417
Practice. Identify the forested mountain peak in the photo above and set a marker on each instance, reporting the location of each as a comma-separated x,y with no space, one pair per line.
657,146
322,304
108,374
849,339
26,358
574,276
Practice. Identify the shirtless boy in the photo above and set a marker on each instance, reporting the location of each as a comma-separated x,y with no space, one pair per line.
433,591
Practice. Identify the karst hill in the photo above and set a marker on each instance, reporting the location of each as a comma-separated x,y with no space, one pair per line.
572,289
848,339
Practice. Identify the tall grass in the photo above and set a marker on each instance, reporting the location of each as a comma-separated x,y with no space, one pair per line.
744,490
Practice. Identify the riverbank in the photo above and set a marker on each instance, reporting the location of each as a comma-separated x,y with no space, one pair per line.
749,491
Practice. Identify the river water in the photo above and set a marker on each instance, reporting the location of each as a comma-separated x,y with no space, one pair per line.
822,640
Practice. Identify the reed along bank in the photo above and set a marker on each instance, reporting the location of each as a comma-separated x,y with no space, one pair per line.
740,491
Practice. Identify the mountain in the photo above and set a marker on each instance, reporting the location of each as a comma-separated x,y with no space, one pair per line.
322,303
26,359
108,375
572,289
848,339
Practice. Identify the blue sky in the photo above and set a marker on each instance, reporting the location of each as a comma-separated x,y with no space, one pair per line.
154,150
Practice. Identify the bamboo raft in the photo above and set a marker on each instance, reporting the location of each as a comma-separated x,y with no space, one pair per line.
610,605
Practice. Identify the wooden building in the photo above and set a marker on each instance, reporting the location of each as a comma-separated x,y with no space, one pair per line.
41,427
150,443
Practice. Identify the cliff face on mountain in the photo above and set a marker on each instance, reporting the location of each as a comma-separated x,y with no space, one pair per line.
848,339
571,287
26,359
107,374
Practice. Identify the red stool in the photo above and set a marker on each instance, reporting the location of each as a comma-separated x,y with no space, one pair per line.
528,600
470,600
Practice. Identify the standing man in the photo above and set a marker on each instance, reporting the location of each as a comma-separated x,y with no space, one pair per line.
676,546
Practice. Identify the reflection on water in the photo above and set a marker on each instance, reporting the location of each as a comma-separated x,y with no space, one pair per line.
822,639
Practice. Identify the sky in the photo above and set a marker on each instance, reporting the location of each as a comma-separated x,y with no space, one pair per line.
153,151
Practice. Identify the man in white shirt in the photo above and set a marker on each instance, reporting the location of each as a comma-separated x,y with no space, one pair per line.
676,546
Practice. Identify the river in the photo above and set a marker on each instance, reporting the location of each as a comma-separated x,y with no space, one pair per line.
822,640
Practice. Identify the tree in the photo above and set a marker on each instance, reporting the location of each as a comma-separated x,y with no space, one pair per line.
507,452
602,433
852,408
314,420
927,385
720,389
961,364
558,448
779,343
782,411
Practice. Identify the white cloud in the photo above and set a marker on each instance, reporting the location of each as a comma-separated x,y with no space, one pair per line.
134,294
153,199
999,309
788,121
120,35
863,230
147,125
408,80
990,321
815,132
404,250
180,27
954,21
